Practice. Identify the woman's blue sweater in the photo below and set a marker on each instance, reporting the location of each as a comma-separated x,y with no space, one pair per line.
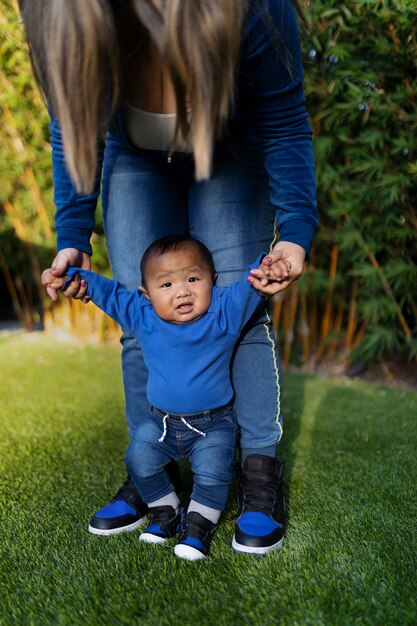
269,114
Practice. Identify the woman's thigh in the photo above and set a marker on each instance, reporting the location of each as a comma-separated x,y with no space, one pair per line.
142,201
232,214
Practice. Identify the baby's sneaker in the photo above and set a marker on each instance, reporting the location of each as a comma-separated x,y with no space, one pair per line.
195,536
164,524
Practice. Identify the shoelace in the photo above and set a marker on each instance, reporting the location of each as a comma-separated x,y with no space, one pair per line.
258,497
184,421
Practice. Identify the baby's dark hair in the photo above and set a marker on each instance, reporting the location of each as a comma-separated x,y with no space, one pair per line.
172,243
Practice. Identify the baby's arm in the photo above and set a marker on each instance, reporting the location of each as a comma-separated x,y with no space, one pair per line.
239,301
111,297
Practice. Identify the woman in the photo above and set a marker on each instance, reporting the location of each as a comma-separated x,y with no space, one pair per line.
199,111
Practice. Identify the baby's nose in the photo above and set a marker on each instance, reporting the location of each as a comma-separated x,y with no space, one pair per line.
184,290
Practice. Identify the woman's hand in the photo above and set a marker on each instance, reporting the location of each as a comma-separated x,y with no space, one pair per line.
279,269
68,257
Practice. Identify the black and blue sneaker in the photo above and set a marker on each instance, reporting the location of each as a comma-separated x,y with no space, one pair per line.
165,523
261,506
195,536
125,512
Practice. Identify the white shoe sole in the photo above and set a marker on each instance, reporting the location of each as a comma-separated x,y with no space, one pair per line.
188,552
117,531
150,538
237,547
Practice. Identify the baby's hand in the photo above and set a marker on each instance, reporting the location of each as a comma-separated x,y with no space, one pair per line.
54,282
59,282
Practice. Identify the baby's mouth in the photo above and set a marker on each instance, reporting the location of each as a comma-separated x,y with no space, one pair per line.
185,307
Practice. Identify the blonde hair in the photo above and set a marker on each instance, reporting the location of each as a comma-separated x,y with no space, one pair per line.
76,49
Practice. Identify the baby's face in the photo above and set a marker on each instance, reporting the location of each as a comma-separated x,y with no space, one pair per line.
179,286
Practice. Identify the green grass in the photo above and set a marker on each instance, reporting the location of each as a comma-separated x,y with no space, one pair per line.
350,551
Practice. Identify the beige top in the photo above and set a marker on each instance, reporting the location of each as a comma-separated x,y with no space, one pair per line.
148,104
151,131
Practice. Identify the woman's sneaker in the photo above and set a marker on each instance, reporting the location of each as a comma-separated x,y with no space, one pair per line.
261,523
126,511
164,524
195,536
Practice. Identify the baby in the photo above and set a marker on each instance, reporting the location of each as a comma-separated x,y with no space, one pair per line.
187,328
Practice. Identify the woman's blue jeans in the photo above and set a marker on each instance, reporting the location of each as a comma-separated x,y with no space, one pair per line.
146,197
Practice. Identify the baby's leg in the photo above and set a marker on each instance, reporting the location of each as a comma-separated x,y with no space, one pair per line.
146,459
212,460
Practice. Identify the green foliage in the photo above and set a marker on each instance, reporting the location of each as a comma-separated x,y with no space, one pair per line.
26,208
361,87
361,69
27,240
24,141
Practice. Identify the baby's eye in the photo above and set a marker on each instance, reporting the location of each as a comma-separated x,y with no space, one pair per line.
193,279
166,285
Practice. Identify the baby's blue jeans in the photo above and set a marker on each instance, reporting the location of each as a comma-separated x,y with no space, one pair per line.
146,197
211,452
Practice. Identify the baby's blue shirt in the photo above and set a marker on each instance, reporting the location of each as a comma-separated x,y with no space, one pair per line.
188,364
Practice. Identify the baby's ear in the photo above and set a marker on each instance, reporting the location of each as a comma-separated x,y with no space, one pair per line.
215,276
144,291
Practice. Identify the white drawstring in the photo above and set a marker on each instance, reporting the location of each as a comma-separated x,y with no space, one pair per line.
165,428
184,421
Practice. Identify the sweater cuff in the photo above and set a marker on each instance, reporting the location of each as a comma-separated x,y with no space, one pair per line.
78,238
299,232
71,272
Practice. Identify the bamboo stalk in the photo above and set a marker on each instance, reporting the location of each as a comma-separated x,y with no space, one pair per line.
16,139
20,314
304,329
16,222
28,178
18,294
360,335
336,329
412,213
388,291
87,323
328,306
312,310
388,374
385,284
352,316
285,320
313,319
39,205
25,301
15,6
276,309
290,325
413,306
23,235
